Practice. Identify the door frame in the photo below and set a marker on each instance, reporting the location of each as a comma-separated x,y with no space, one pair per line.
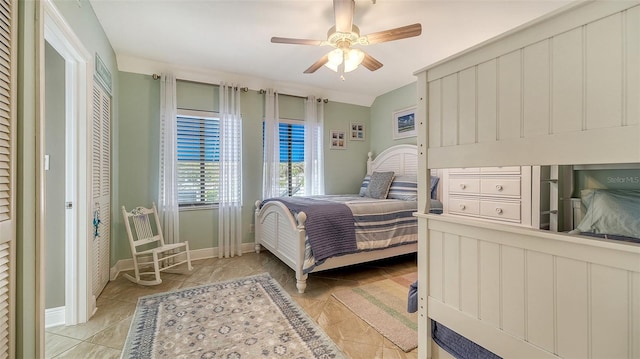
79,301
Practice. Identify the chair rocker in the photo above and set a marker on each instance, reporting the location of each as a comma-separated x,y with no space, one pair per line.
148,248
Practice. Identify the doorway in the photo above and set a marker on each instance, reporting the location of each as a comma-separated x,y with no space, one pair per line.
65,259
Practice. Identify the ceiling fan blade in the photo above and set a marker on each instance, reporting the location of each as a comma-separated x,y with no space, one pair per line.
287,40
371,63
343,13
318,64
393,34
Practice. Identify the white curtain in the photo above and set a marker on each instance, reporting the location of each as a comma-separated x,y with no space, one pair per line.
168,186
230,182
313,151
271,161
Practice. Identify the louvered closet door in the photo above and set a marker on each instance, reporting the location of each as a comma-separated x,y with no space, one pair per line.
101,186
8,45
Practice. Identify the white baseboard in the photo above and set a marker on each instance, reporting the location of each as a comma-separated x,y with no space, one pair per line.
196,254
54,317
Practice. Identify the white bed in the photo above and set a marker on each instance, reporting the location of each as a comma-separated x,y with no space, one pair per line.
563,90
284,235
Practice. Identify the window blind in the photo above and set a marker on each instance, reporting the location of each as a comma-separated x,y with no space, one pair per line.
198,160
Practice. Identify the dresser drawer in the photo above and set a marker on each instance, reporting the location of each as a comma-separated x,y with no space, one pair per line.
464,185
468,206
505,211
500,187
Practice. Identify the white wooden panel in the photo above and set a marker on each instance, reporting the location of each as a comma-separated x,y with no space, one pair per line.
540,300
435,113
513,278
621,144
509,95
572,308
435,265
490,283
487,101
604,73
567,82
452,270
609,312
632,61
450,110
536,89
469,276
467,106
635,315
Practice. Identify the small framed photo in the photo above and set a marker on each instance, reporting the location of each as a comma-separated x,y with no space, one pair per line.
357,131
404,123
338,140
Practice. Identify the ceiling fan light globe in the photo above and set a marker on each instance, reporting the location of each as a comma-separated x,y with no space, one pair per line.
335,59
352,59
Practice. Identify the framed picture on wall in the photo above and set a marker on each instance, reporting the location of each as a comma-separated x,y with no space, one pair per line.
338,140
404,123
357,131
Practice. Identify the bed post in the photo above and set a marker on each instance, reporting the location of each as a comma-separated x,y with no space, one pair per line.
301,277
256,235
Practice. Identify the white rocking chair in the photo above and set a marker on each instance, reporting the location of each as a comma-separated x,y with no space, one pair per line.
154,252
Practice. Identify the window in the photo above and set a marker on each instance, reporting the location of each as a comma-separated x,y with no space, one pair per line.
291,133
198,158
291,159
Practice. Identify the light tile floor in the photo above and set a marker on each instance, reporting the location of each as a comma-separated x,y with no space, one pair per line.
104,335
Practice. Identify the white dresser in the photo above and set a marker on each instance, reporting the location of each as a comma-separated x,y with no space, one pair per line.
500,194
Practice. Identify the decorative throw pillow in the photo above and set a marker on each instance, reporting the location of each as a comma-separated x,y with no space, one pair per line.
379,184
404,188
364,185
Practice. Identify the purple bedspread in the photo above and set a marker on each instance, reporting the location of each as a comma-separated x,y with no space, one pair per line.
330,226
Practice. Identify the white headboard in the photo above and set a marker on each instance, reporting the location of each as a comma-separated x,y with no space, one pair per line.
401,159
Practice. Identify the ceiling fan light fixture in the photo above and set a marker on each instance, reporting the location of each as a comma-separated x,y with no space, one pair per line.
352,59
335,59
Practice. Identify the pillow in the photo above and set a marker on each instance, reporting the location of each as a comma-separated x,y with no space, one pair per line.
615,212
434,186
404,188
364,185
379,184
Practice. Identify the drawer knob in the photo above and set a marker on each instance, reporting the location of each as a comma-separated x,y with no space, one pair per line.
498,187
499,210
463,207
463,186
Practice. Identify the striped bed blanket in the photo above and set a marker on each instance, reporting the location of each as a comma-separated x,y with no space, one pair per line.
376,224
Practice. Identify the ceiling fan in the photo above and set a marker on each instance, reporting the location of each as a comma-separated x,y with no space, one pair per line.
344,35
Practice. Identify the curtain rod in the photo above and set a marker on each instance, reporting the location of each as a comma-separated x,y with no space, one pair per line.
243,89
262,92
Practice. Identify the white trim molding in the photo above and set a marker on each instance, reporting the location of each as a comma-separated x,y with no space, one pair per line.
54,317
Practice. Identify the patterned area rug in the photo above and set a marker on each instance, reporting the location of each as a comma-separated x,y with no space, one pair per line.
251,317
383,304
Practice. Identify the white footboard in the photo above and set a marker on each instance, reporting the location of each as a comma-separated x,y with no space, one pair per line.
283,235
527,293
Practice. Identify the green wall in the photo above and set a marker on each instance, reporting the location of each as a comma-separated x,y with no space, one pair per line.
382,111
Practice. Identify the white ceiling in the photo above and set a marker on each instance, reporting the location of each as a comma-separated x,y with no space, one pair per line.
232,38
